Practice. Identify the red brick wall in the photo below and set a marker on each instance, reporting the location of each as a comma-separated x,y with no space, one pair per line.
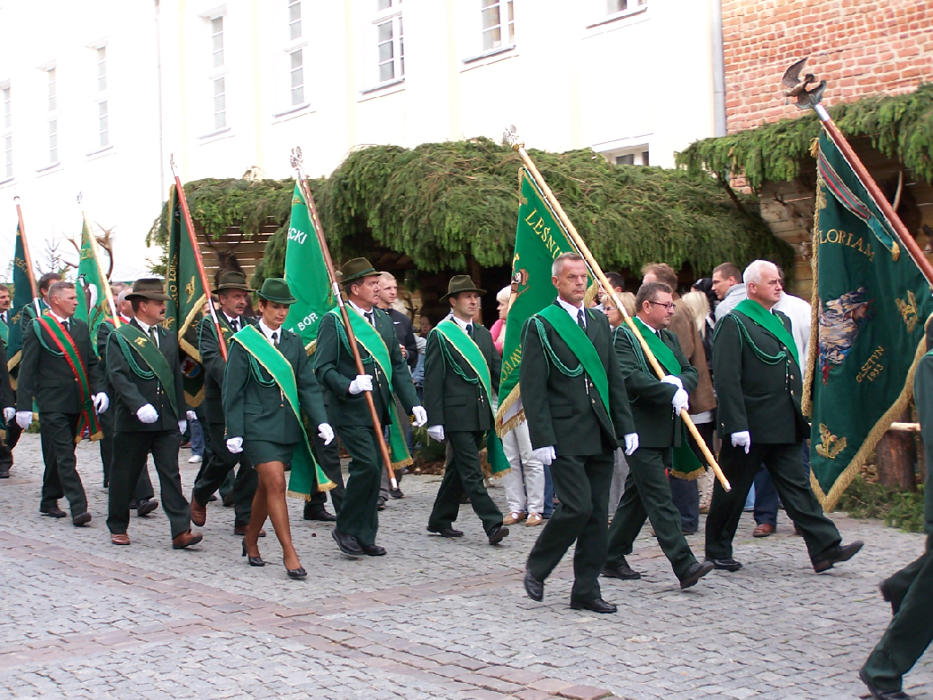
860,47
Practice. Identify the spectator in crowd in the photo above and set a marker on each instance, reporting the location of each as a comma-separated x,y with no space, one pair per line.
728,287
498,328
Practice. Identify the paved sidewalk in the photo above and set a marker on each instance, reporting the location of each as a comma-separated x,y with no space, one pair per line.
434,618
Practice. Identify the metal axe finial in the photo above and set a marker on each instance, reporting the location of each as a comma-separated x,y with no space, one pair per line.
295,158
510,136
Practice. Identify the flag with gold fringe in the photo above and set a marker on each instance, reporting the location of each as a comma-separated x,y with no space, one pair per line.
870,302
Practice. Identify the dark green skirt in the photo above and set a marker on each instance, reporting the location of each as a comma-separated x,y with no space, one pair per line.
259,451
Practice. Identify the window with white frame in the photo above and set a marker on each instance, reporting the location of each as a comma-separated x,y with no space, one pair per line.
216,76
7,124
616,6
294,19
52,83
498,24
390,48
295,50
638,155
103,106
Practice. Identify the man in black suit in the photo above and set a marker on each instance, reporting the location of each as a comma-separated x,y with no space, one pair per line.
7,402
150,403
60,371
232,292
578,414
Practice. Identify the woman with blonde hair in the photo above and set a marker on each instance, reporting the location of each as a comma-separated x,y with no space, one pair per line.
503,299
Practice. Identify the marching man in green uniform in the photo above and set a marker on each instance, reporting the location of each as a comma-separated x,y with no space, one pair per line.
461,373
357,522
60,371
758,385
145,372
577,411
910,590
232,292
662,443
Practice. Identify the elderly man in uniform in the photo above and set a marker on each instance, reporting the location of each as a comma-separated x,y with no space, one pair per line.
577,412
757,377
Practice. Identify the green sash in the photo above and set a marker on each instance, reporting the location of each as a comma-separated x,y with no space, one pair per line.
663,353
304,466
128,336
771,323
372,342
582,348
66,348
473,356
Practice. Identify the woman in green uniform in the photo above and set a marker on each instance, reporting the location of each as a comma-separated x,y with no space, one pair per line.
267,383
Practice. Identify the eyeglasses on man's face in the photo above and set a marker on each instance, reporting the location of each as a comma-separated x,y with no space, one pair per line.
668,305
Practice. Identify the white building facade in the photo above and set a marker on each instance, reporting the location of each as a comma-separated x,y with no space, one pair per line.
97,95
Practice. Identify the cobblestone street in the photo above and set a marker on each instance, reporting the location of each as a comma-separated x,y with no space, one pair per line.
434,618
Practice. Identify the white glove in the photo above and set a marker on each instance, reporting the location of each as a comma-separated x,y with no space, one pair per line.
421,416
147,414
545,455
101,402
671,379
191,415
235,445
23,419
182,426
363,382
325,432
436,432
631,443
9,413
680,400
742,439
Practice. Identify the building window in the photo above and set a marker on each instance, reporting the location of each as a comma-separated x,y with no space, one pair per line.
616,6
630,156
216,76
294,19
498,24
217,42
294,49
390,48
296,72
7,124
52,114
220,102
103,108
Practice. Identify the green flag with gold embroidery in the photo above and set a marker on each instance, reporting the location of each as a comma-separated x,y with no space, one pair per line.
186,301
92,296
872,302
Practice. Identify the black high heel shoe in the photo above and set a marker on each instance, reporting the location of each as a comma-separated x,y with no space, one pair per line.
253,561
297,574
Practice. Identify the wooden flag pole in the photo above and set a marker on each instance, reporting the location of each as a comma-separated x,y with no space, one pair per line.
27,258
180,193
296,160
597,272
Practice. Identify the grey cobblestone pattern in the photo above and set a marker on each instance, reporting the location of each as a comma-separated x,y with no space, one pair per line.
434,618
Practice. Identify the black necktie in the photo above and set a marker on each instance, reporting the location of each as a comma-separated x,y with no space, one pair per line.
580,321
469,329
67,324
235,324
154,335
369,317
275,338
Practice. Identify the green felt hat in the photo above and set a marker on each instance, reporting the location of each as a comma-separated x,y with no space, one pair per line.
357,268
148,288
231,279
276,289
461,283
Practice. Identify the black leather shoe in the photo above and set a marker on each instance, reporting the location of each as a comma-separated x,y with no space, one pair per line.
315,512
533,587
621,570
882,694
895,599
396,493
726,564
297,574
596,605
348,544
381,504
146,507
81,519
53,512
497,534
834,555
253,561
373,550
446,531
695,573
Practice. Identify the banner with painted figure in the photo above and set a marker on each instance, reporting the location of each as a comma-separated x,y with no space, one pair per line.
872,302
92,297
539,239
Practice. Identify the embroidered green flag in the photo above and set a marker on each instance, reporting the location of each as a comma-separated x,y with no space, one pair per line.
539,238
185,307
92,298
22,297
306,274
872,302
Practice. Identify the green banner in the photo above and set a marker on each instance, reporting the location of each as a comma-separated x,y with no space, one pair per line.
92,297
306,274
22,297
539,238
872,303
185,306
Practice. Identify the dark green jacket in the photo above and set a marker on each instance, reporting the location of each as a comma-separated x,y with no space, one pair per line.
46,375
753,393
566,411
213,363
923,395
132,392
335,369
655,420
7,398
450,400
253,404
